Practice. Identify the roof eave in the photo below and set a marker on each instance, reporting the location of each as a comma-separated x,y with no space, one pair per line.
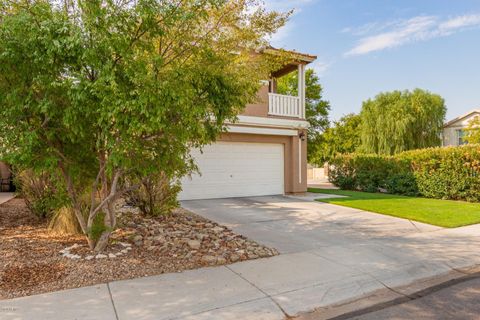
449,123
303,57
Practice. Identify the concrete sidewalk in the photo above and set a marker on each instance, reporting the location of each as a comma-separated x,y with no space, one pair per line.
6,196
329,255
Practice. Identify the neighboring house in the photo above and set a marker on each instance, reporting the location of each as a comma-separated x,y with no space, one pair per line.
454,130
264,153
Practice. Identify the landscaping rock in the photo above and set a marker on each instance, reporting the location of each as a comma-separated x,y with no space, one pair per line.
124,244
180,241
217,229
158,240
147,243
209,259
194,244
201,236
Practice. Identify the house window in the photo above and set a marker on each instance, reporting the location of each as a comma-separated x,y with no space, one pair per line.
460,137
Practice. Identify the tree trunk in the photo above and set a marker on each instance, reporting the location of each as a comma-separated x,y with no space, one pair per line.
77,209
108,194
90,241
102,242
107,200
110,222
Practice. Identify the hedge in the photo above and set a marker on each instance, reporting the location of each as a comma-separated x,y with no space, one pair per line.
441,173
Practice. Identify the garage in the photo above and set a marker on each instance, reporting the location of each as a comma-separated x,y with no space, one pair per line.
236,169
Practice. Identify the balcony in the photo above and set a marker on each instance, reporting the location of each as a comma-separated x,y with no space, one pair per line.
285,106
272,104
288,106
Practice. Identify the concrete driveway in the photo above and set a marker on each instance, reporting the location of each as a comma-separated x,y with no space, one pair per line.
331,256
291,224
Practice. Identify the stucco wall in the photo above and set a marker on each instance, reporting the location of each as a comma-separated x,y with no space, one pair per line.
260,107
450,136
4,171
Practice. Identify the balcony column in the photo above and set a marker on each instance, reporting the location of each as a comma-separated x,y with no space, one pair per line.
301,89
274,85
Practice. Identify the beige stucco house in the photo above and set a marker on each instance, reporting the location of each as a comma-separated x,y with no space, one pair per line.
5,176
454,130
264,153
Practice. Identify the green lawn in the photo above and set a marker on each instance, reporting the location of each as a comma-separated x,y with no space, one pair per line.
443,213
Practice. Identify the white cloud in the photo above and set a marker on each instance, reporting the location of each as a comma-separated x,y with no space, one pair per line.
402,32
369,28
460,22
406,31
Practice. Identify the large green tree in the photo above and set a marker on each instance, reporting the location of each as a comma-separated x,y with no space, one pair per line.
100,90
342,137
401,120
316,108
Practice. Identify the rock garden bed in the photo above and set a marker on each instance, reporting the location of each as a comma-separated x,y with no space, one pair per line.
35,261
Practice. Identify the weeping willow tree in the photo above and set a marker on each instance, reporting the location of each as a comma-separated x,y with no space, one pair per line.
401,120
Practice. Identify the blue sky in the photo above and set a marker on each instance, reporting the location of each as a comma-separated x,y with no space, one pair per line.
368,46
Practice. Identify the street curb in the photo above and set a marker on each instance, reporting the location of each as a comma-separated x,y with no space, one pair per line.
384,298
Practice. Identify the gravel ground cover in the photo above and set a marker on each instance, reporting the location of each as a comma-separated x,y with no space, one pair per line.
34,260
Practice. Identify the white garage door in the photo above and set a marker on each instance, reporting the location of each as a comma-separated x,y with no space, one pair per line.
234,169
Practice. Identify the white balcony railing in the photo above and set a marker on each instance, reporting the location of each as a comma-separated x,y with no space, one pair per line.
285,106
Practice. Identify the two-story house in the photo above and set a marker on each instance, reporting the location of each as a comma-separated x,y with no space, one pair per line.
454,130
5,177
264,153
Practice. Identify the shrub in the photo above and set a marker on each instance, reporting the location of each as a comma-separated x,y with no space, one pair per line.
403,183
447,173
442,173
364,172
156,195
342,172
63,221
371,172
43,194
98,226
